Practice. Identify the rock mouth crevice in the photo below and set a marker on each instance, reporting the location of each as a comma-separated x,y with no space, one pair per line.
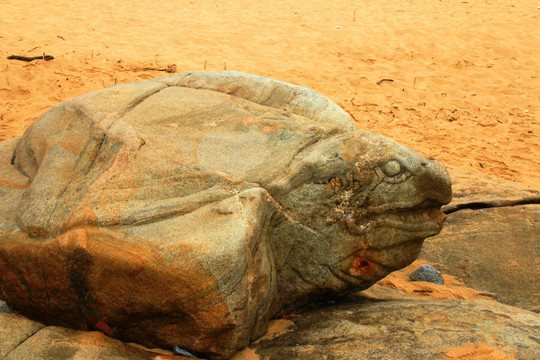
474,191
477,205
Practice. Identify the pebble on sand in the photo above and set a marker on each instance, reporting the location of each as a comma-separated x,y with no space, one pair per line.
427,273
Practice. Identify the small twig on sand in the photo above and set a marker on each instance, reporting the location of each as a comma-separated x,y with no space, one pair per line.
30,58
383,80
351,115
169,69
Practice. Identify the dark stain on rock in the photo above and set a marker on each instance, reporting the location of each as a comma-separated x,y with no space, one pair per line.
35,232
78,265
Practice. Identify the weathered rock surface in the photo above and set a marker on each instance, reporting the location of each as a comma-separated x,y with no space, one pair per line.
21,338
14,330
186,211
406,329
472,190
385,323
395,326
490,241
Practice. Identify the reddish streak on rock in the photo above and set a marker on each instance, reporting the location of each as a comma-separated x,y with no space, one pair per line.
104,328
360,267
11,185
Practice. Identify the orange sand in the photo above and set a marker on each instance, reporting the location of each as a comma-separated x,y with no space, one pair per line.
476,351
453,289
466,74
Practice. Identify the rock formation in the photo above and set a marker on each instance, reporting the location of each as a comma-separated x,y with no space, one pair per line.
188,210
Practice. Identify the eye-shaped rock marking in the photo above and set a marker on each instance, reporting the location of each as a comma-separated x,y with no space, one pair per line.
391,168
187,211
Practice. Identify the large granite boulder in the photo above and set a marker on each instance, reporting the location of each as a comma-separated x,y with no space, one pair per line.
491,238
191,209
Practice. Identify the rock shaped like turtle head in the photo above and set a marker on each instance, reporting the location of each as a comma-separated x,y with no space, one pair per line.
354,208
187,211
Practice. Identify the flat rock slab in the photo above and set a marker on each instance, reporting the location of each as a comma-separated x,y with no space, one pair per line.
14,330
494,250
490,241
475,190
406,329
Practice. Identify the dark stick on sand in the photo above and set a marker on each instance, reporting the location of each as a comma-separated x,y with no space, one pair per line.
30,58
169,68
383,80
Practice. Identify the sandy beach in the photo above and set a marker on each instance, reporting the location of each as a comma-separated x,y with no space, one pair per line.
465,74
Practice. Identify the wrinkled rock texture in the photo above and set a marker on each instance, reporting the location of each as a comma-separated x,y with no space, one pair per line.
186,211
492,228
491,238
405,329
